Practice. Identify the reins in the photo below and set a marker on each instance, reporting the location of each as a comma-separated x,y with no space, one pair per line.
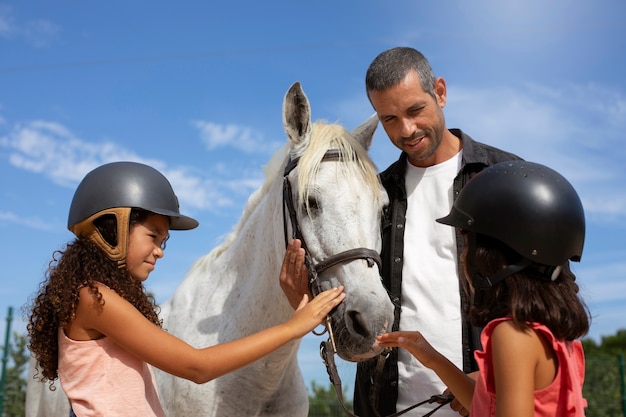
331,368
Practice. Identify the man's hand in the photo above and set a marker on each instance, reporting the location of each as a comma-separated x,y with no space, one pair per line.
294,279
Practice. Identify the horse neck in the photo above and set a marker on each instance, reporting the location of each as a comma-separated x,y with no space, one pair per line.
257,250
261,231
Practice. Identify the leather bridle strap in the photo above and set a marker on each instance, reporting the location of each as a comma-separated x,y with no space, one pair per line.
371,256
327,353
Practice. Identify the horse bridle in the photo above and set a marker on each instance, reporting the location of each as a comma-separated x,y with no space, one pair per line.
314,269
328,348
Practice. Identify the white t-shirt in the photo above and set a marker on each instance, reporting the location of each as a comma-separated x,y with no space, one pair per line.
430,286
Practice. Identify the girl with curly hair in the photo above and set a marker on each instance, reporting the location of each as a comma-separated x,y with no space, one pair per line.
93,326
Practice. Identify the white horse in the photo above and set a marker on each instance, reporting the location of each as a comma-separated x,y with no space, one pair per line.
234,291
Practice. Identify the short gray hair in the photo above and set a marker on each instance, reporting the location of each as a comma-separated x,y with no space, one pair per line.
391,66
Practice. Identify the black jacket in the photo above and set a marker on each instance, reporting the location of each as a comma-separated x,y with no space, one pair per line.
476,156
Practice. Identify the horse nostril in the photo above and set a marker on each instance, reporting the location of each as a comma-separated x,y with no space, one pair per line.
358,324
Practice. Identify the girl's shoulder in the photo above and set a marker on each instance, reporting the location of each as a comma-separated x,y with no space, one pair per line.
506,329
504,332
85,290
89,306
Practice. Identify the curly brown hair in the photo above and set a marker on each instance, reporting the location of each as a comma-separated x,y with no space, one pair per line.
81,264
528,295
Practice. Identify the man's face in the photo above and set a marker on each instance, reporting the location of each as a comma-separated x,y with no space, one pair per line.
412,118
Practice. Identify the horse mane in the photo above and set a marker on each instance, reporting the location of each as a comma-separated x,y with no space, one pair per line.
324,136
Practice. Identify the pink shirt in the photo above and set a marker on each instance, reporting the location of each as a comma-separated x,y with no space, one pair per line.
102,379
562,398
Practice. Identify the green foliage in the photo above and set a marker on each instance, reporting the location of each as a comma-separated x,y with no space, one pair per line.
616,344
15,394
603,384
611,345
323,401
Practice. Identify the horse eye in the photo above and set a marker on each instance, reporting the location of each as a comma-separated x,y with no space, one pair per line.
313,203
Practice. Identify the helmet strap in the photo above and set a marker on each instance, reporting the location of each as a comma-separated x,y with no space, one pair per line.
87,229
488,282
480,282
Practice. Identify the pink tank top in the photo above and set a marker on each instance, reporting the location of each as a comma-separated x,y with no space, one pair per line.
101,379
562,398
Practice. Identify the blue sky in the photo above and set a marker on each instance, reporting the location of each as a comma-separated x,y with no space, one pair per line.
195,89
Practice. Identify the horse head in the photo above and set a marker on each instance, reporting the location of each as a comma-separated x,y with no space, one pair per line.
335,202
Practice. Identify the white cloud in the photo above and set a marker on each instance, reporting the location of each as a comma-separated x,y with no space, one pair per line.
197,192
33,223
605,281
569,128
50,149
248,140
37,32
6,21
40,32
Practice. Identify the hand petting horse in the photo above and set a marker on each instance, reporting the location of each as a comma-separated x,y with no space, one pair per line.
336,203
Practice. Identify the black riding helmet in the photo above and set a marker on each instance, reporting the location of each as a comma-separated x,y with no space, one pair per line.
529,207
115,189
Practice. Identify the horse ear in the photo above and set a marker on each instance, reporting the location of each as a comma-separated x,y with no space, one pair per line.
296,114
364,133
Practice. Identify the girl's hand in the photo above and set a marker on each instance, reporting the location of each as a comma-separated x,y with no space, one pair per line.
309,315
294,277
414,343
461,385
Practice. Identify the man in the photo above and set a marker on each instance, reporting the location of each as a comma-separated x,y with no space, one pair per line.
420,256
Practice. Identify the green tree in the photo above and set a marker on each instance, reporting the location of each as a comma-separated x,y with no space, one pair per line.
15,386
603,383
323,401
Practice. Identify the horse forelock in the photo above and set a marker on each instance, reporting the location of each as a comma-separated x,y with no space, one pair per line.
334,136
